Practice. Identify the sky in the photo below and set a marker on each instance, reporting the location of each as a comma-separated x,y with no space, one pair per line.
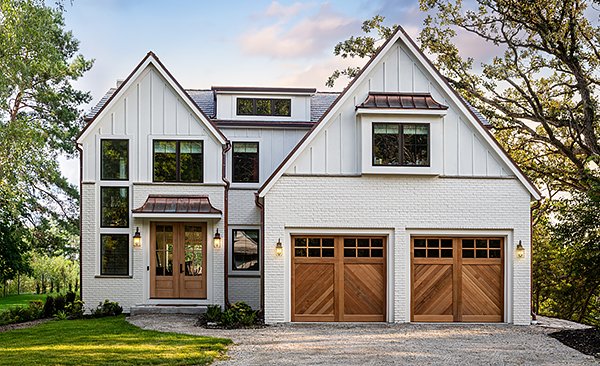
225,43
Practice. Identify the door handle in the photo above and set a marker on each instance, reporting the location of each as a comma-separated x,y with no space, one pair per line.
180,268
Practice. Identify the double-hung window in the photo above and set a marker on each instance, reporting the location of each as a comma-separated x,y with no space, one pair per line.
178,161
401,144
245,161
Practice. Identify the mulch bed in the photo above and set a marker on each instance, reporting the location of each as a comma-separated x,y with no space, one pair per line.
7,327
586,341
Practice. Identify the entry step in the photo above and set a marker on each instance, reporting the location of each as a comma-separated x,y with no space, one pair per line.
167,309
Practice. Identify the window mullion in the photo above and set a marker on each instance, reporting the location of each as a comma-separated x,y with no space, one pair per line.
178,161
401,141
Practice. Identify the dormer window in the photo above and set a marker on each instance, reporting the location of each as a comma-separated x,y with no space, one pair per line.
264,107
400,144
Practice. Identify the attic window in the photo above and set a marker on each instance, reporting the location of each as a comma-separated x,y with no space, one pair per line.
264,107
400,144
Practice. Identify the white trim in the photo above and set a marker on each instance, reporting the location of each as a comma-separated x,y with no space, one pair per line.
133,78
243,273
408,112
160,215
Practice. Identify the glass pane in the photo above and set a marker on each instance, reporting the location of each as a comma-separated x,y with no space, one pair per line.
377,243
433,243
446,243
349,252
481,243
314,252
377,253
300,242
193,243
415,145
314,242
446,253
470,243
433,253
363,252
349,243
495,243
494,253
115,159
160,263
263,107
115,206
165,161
468,253
245,250
245,106
328,252
169,257
191,161
363,242
419,253
386,144
282,107
327,242
300,252
420,243
115,254
245,160
481,253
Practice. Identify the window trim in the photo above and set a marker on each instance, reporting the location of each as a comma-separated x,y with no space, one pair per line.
232,161
128,208
401,126
244,272
128,274
177,160
254,113
102,165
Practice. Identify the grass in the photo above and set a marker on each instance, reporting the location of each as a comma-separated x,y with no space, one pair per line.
23,299
105,341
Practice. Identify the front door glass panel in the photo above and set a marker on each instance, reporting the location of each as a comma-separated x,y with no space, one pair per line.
164,250
193,239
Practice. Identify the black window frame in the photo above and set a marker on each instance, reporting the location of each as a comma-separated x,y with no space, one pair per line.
102,163
254,109
401,154
233,180
102,208
127,240
258,261
177,162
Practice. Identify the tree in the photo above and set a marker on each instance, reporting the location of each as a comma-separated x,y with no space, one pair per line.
39,118
13,249
541,94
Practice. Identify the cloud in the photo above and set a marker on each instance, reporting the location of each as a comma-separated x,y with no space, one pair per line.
309,36
282,11
316,73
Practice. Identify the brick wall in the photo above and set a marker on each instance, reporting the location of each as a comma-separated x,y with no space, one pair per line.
397,204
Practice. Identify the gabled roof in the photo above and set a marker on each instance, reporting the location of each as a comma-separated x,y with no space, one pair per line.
152,59
389,100
453,94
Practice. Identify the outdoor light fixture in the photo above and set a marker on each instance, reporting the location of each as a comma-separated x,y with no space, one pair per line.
278,248
137,238
217,240
520,250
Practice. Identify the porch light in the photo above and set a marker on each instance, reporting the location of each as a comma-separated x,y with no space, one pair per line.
217,240
137,238
520,250
278,248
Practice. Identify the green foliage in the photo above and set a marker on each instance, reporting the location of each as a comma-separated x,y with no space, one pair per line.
237,315
13,249
107,308
19,314
105,341
213,314
75,309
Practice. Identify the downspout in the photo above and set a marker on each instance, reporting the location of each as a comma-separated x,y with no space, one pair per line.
80,220
226,148
536,205
261,206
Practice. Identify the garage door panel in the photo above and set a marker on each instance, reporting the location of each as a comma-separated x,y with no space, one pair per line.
364,289
482,292
432,292
314,295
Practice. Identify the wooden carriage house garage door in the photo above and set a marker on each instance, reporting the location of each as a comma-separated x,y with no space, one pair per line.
457,279
338,278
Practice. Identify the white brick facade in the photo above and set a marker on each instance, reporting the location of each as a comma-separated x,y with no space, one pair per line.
398,205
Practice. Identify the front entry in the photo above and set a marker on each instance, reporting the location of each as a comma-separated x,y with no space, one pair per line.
178,261
338,278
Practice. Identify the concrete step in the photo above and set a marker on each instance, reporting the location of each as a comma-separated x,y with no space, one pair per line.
167,309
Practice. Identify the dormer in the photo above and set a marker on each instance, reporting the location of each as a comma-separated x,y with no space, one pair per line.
264,104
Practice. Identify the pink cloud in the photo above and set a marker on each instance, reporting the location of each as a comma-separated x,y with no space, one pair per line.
282,11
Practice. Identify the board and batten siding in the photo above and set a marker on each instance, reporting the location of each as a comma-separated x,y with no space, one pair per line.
150,109
337,149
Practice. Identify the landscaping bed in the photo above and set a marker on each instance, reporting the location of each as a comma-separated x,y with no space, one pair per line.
586,341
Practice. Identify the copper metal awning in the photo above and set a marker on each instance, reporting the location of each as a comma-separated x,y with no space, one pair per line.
407,101
177,205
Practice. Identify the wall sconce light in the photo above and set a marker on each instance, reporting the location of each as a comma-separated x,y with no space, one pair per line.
217,240
520,250
278,248
137,238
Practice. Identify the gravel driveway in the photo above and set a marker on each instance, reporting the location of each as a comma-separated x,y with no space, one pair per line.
381,344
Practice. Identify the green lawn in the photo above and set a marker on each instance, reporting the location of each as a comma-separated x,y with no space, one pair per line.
23,299
105,341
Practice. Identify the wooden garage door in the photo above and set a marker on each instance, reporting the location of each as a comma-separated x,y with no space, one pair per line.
457,279
338,278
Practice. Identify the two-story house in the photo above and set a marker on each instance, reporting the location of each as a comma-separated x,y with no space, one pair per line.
390,201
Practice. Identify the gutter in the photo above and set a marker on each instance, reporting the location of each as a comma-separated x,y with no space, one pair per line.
226,148
261,206
78,147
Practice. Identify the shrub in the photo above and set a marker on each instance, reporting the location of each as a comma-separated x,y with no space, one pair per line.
61,315
59,303
107,308
213,314
237,315
75,309
70,297
49,307
19,314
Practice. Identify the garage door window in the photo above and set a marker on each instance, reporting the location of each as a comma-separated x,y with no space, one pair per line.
363,247
314,247
433,248
481,248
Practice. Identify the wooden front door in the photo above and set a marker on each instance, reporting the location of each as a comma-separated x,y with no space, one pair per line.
338,278
178,261
457,279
